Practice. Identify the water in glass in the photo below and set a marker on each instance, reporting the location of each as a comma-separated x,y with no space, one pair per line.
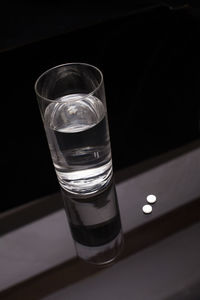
78,137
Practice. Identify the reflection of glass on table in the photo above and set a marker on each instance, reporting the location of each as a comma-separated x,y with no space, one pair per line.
95,225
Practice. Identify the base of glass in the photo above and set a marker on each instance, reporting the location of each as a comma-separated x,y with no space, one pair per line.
102,255
85,182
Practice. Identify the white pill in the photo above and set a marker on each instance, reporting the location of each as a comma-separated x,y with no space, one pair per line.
147,209
151,199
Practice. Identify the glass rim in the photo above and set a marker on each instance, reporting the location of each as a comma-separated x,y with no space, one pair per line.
68,64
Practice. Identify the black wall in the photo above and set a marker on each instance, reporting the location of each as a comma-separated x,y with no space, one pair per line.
151,63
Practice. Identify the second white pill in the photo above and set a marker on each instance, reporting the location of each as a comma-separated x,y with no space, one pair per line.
151,199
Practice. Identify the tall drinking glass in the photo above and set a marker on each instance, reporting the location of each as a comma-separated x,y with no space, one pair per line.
72,103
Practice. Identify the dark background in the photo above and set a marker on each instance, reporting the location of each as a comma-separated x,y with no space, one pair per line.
149,53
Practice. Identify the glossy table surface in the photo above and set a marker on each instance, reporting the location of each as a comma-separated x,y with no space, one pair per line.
161,252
